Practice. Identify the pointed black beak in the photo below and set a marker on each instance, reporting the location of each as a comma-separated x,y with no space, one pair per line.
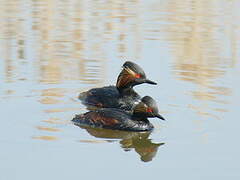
149,81
159,116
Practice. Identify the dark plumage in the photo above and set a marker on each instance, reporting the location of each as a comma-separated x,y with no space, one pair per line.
120,96
112,118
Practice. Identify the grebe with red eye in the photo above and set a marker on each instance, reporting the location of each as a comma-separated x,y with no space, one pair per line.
118,119
120,96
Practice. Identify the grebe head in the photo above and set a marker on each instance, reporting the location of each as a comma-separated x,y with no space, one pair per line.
147,108
131,75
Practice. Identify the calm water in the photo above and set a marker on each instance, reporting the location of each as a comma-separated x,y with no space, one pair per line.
50,51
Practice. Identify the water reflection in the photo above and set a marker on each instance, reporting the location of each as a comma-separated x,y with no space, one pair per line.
52,50
56,104
57,42
138,141
202,39
65,40
41,128
45,138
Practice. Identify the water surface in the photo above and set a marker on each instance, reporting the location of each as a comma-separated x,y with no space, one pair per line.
50,51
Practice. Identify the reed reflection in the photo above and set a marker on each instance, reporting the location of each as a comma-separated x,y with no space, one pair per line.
138,141
197,41
45,138
67,40
54,43
54,102
202,40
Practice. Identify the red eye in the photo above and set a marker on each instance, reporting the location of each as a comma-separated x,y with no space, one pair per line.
150,110
137,75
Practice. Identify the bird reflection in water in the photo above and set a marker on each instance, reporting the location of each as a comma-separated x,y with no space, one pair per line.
139,141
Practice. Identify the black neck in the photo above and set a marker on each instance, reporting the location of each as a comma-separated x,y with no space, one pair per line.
140,117
125,89
127,92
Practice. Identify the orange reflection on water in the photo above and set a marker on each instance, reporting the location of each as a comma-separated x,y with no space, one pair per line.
46,138
48,100
41,128
53,121
56,110
54,92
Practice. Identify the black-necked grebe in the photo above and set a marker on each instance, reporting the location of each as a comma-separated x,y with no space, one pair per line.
120,96
113,118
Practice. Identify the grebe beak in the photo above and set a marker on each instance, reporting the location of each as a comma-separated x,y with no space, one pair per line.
159,116
149,81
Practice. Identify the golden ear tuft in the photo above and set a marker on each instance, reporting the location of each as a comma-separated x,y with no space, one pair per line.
131,72
126,76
